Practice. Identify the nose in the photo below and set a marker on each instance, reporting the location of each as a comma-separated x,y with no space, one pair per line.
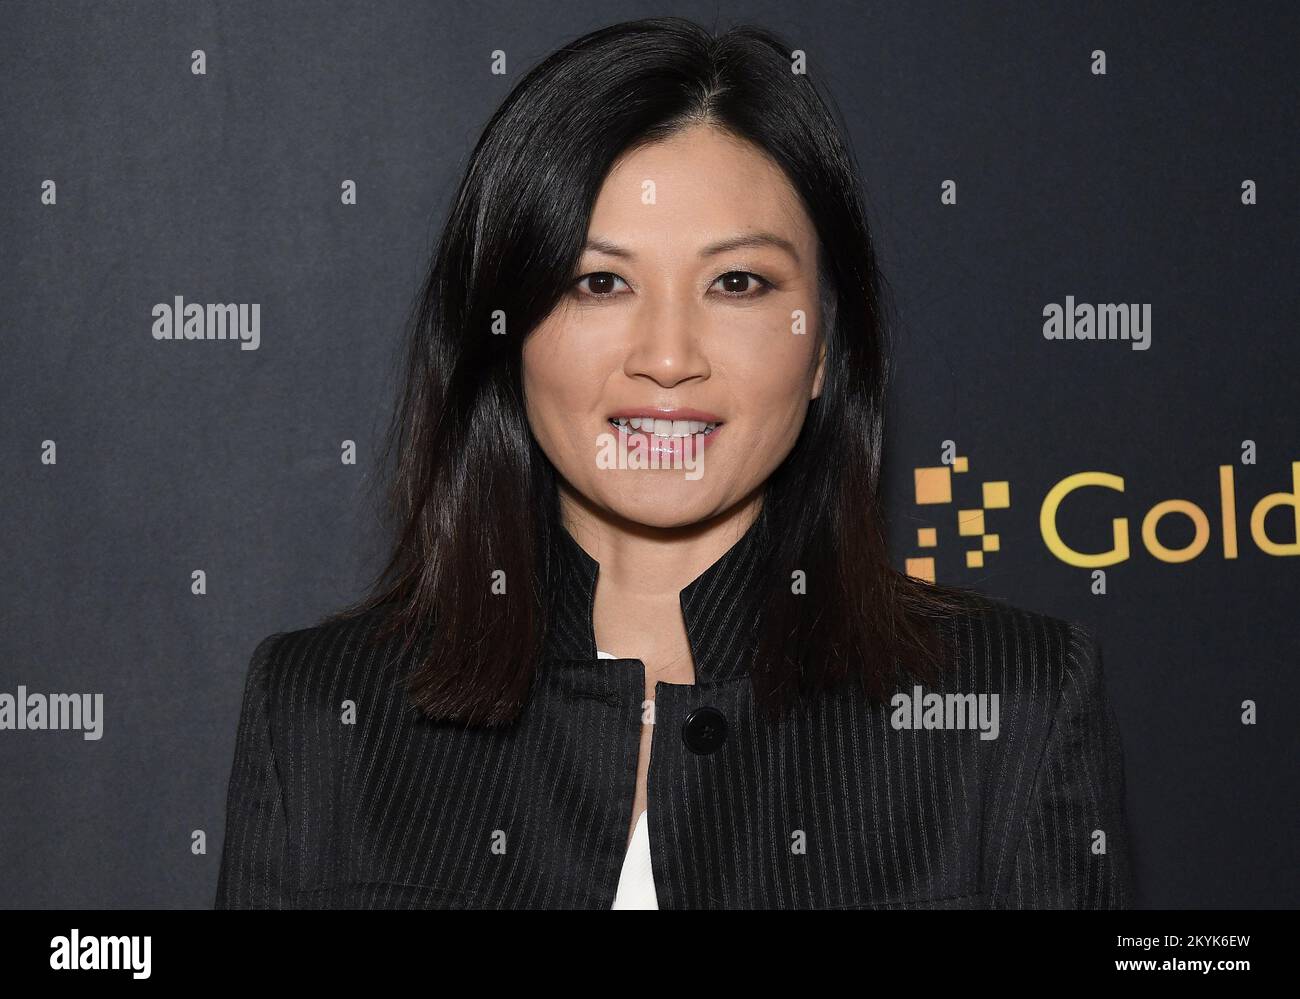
665,344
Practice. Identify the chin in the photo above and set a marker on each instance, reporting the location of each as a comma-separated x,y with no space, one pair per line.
664,500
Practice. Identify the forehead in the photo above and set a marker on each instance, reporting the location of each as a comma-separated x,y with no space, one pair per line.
699,180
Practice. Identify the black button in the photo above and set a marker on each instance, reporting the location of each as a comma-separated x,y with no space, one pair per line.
705,730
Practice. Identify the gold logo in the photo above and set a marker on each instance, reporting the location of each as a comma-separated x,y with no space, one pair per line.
934,486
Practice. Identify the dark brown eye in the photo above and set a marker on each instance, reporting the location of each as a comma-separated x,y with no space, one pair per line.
740,284
600,284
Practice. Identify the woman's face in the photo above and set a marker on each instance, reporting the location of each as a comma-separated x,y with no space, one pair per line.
695,303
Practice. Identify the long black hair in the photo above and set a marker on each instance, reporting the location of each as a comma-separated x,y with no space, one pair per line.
471,492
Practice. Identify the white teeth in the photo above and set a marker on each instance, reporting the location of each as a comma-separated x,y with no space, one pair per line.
664,428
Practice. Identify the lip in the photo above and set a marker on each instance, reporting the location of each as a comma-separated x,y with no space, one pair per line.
699,415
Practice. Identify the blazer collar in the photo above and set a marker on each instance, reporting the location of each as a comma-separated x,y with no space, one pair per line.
719,606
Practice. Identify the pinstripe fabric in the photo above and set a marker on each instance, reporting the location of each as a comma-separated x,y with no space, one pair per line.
830,808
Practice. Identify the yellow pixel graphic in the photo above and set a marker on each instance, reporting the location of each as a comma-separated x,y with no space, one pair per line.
934,487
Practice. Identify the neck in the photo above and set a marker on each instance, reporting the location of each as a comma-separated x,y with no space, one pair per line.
653,563
698,586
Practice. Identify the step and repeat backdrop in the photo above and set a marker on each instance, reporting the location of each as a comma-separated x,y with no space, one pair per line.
1088,219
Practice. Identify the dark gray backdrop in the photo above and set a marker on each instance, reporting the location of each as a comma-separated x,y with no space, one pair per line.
226,188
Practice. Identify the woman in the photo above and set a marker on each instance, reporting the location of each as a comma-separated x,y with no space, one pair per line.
639,643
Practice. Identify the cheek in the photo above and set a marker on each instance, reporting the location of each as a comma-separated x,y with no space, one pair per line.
775,373
560,390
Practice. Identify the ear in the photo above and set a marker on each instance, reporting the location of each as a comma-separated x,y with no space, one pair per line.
821,370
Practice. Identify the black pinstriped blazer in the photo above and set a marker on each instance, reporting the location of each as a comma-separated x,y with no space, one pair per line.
833,807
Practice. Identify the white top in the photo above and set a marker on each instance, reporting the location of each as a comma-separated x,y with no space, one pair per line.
636,885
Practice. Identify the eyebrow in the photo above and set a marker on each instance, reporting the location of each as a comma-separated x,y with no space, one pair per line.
599,245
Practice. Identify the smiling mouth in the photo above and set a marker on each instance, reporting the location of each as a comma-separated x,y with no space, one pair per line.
666,429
